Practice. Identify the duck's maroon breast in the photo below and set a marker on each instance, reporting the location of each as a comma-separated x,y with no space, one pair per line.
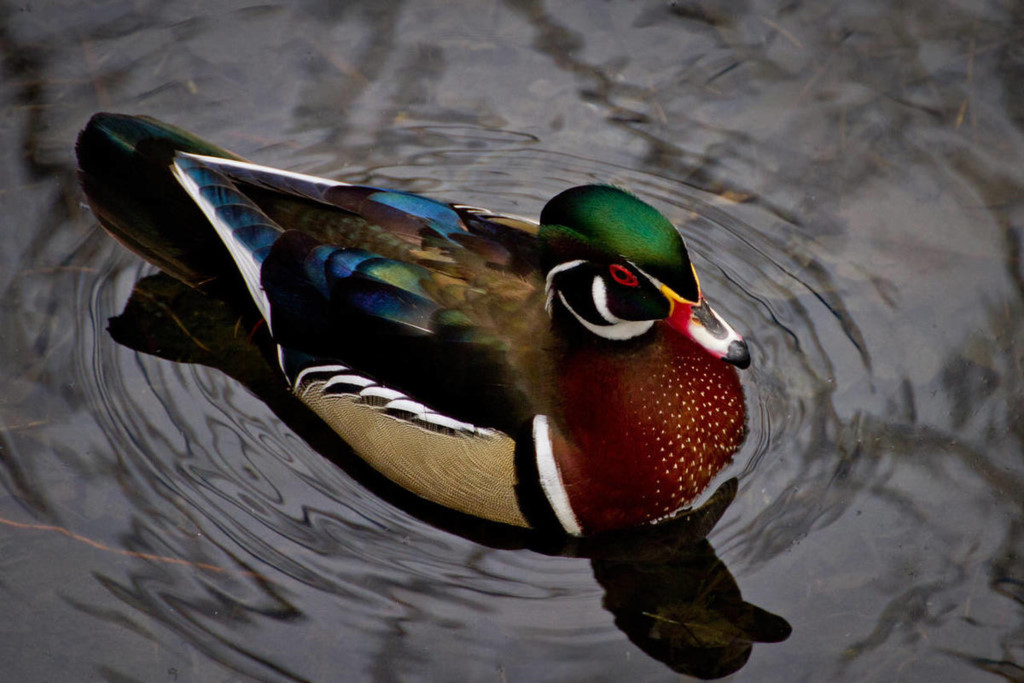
642,433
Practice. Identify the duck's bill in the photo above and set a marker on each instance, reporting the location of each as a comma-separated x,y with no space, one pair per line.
699,322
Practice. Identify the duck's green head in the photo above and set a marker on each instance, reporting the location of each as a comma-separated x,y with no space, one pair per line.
618,266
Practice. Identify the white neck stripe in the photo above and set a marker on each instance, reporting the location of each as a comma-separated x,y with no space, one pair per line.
627,329
551,478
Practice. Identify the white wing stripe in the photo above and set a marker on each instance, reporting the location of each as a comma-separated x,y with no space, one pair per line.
382,398
269,176
380,392
449,422
348,380
407,405
316,369
248,266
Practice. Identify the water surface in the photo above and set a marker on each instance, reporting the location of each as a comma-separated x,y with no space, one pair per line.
850,178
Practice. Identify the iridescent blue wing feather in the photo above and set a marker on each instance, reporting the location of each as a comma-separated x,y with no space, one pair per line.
500,241
320,295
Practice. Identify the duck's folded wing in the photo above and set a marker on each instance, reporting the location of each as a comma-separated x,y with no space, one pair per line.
421,326
419,391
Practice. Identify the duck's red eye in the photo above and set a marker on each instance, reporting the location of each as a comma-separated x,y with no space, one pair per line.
622,275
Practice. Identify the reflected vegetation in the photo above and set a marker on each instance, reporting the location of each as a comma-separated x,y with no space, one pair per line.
849,177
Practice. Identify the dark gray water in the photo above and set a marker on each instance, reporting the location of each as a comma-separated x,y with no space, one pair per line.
853,174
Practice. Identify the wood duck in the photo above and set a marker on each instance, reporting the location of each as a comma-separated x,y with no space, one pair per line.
566,372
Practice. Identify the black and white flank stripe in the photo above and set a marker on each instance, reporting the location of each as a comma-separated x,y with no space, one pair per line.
341,381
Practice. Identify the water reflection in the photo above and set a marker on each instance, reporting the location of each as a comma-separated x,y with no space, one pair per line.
861,162
680,604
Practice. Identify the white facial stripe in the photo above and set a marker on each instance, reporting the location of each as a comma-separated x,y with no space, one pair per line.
548,289
627,329
551,478
654,281
599,291
658,283
617,329
561,268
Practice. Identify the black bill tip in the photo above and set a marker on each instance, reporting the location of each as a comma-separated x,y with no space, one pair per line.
738,354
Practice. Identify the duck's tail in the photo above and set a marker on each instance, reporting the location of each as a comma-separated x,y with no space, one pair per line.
125,169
